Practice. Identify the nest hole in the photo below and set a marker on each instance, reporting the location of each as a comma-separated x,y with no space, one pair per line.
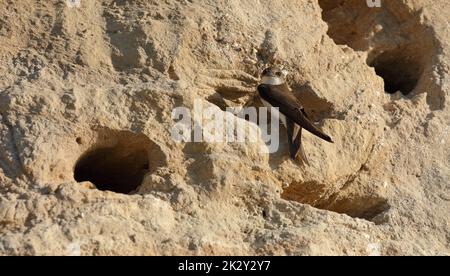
397,43
354,204
400,71
119,162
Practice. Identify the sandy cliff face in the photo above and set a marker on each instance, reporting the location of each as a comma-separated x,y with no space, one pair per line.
87,93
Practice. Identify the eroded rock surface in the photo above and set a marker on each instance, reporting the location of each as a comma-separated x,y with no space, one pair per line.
88,164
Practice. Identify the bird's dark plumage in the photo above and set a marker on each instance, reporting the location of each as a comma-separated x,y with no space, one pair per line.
290,107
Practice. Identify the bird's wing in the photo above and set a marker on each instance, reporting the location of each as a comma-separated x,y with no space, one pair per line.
288,105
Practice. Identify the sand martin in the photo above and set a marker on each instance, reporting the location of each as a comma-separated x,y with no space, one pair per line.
274,92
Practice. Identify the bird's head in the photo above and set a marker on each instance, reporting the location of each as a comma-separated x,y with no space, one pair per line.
273,76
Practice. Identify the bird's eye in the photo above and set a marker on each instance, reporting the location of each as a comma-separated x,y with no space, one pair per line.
278,74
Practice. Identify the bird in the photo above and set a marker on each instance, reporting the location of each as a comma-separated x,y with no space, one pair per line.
274,92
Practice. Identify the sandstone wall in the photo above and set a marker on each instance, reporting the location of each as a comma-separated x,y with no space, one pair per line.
81,83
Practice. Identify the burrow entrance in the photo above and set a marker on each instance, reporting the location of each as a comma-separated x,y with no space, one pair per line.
350,201
400,71
399,47
118,161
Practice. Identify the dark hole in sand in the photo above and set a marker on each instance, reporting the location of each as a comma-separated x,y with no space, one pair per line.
119,169
400,71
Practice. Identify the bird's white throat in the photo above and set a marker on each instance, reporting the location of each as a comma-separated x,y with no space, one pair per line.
272,80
